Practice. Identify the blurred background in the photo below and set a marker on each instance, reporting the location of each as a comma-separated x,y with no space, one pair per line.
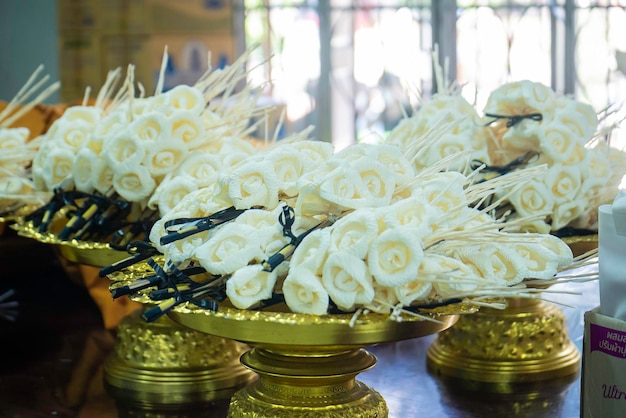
351,68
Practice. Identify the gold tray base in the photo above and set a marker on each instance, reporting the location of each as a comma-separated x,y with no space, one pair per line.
162,366
295,384
499,350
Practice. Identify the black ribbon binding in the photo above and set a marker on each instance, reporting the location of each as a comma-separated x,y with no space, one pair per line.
513,120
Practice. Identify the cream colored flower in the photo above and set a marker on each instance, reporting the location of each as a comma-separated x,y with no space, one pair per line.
539,263
521,98
230,249
101,176
411,212
563,182
354,232
289,164
532,198
253,184
304,292
379,181
82,170
414,291
394,257
13,138
111,124
556,141
384,299
90,115
125,151
347,281
171,192
164,157
184,97
183,249
187,128
312,251
204,168
71,135
450,275
250,285
391,157
344,188
579,117
152,127
94,144
449,144
133,185
565,213
445,190
316,151
57,167
558,247
493,261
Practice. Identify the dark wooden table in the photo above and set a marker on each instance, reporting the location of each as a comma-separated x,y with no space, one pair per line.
51,364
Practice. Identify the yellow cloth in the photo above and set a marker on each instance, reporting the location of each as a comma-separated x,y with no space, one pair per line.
113,310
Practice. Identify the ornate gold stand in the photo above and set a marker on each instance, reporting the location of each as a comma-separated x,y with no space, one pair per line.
162,366
499,349
307,364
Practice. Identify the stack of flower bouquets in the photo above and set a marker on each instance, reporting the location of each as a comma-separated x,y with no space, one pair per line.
312,230
115,166
18,148
523,124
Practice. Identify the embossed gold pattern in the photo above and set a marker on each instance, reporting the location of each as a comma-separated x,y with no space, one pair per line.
526,342
162,364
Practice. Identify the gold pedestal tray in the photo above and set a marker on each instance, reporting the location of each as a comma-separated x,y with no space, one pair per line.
499,350
307,364
161,366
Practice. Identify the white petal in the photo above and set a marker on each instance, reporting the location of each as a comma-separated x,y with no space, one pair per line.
354,232
249,285
304,292
394,257
134,185
347,281
231,248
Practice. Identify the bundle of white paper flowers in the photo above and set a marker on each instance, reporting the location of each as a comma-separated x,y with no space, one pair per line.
17,148
134,146
367,231
524,123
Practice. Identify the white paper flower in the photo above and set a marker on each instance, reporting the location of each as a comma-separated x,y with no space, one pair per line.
394,257
492,261
450,276
111,124
563,182
354,232
445,190
184,97
344,188
304,292
164,157
101,176
171,192
558,247
124,151
579,117
13,139
231,248
565,213
57,167
152,127
539,263
556,141
250,285
82,170
312,251
90,115
71,135
203,167
133,185
289,165
391,157
384,299
187,128
413,291
347,281
411,212
379,182
317,151
532,198
253,184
